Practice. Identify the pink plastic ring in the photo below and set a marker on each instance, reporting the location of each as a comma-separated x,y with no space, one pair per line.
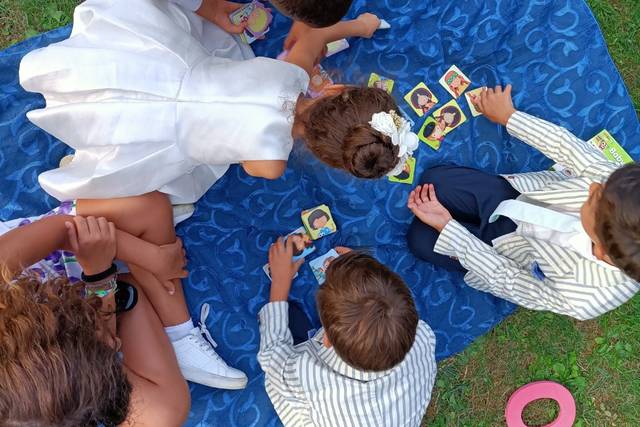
541,390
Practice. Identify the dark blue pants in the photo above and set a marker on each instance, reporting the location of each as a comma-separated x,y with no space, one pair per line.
299,323
471,196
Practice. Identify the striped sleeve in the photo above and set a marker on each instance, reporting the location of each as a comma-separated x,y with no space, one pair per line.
555,142
500,275
192,5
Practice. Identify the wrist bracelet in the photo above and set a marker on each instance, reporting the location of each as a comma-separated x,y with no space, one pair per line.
103,290
92,278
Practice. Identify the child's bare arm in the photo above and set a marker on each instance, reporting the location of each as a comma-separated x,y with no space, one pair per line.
307,44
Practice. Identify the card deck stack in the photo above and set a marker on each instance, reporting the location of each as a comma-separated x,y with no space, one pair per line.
318,222
257,17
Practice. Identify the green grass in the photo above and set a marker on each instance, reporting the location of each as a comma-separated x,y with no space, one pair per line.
597,360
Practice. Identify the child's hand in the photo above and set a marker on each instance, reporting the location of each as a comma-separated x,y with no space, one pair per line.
170,262
218,11
282,269
370,24
93,242
495,104
425,205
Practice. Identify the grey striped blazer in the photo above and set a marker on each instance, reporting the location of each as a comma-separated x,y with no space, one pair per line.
310,385
570,284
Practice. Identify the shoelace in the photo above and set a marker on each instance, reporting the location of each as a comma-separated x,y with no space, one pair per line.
209,344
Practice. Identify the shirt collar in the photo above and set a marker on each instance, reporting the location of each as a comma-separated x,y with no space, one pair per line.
330,358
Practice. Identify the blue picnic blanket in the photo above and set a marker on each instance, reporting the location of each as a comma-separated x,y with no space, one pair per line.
552,52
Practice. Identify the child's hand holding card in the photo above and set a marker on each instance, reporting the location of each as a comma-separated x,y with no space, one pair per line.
302,243
471,97
257,18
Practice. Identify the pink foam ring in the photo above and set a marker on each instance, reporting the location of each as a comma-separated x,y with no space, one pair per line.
541,390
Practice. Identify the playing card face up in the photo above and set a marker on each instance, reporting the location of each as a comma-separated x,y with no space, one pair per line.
421,99
407,174
257,17
381,82
470,96
318,222
444,120
319,265
454,81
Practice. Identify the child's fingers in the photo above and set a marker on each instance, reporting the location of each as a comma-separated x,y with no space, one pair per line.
72,234
424,193
432,193
507,90
498,90
92,225
82,229
112,231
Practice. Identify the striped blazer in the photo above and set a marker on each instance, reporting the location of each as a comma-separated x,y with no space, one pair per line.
310,385
535,273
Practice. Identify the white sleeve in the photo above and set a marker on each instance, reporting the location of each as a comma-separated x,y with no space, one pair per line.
191,5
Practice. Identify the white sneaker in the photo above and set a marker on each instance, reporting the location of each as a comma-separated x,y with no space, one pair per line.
199,363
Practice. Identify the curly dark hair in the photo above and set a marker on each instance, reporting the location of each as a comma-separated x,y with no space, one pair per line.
338,132
55,369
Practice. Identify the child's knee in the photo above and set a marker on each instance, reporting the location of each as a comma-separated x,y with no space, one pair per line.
421,239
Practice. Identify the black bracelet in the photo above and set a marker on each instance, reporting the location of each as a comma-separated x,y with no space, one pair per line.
100,276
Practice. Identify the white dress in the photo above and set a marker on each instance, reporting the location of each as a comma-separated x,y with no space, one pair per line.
152,97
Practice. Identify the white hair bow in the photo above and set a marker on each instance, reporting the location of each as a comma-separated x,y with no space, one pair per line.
399,130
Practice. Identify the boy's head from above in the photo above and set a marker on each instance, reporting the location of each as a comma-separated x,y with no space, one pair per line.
367,312
315,13
58,362
611,217
336,129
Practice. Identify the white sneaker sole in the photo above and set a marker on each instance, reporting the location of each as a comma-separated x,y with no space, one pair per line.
213,380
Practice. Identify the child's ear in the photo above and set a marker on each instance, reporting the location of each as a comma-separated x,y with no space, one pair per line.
332,90
600,253
325,341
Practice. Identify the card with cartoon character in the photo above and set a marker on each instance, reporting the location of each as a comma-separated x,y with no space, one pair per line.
380,82
257,17
471,95
444,120
421,99
407,174
455,82
319,265
318,222
302,243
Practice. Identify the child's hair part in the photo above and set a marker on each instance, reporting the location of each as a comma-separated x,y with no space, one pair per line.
316,13
338,132
618,219
55,368
315,215
367,312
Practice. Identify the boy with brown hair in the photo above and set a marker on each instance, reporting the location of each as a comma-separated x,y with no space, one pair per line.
567,243
372,363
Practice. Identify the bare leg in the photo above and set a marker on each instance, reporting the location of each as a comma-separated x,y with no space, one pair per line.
148,217
160,395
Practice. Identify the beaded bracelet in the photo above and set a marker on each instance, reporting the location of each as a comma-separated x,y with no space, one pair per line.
102,290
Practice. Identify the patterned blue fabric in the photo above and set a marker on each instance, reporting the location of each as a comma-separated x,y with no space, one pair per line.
550,50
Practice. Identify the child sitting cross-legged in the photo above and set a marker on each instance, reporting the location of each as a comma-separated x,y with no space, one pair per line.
372,363
543,240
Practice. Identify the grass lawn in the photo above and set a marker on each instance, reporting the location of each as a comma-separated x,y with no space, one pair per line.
597,360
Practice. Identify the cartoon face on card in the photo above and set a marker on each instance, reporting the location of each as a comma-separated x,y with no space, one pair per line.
454,81
258,20
318,222
319,80
444,120
302,243
320,265
421,99
472,94
267,271
380,82
408,171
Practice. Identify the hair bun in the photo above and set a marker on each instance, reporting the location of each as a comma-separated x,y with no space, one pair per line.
368,153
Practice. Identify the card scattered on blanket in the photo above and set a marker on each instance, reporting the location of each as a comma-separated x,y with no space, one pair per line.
318,222
421,99
471,95
319,265
257,17
408,171
337,46
613,151
302,243
454,81
444,120
380,82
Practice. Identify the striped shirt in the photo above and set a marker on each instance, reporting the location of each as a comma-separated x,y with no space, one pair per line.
535,273
310,385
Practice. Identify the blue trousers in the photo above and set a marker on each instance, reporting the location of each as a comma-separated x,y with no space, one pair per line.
299,323
471,196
